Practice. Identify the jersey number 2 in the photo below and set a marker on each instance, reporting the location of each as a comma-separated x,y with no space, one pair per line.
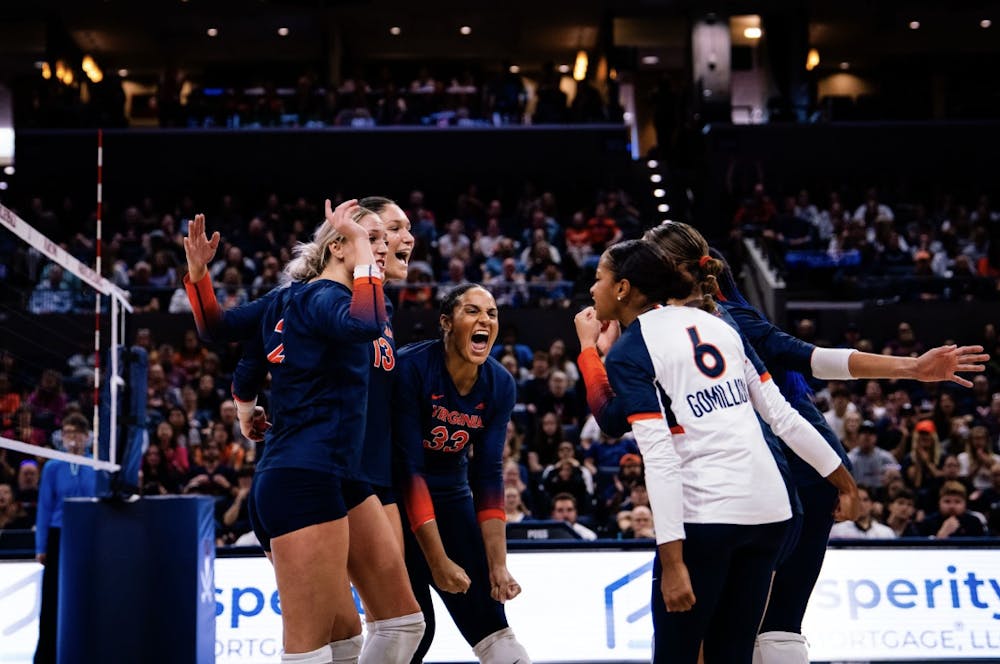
715,364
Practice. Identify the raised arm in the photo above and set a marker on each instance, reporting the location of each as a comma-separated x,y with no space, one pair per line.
601,399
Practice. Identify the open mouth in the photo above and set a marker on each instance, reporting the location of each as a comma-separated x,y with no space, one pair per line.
480,341
403,256
381,263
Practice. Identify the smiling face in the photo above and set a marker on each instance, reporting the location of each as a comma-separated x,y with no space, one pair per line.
605,291
400,241
472,327
376,236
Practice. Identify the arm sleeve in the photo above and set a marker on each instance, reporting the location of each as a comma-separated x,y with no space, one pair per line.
486,467
46,505
361,320
213,323
601,398
251,371
775,346
408,399
784,420
631,374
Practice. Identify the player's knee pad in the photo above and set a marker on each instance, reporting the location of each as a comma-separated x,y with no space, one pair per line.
501,647
318,656
780,648
393,640
346,651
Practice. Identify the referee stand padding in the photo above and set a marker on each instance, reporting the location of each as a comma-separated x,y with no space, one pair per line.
136,581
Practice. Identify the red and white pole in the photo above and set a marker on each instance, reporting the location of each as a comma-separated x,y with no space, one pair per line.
97,297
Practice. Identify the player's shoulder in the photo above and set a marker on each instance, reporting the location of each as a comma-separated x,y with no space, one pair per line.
421,357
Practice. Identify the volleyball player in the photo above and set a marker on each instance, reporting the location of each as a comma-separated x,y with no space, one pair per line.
686,383
452,398
781,640
315,335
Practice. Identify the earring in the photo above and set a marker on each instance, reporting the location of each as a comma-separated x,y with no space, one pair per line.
619,298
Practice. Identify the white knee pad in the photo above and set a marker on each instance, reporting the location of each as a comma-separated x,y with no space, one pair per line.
318,656
501,647
346,651
780,648
393,640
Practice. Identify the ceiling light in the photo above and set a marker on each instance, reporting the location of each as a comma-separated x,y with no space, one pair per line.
753,33
3,186
663,207
514,69
8,170
465,30
212,32
914,25
580,67
123,73
282,32
395,31
650,59
655,178
659,193
845,65
985,23
652,163
812,60
563,69
46,71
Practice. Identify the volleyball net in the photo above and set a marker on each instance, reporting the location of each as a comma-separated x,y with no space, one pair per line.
60,352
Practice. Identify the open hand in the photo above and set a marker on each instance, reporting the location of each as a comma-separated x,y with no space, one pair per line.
198,248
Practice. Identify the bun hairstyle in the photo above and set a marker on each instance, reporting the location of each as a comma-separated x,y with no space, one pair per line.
310,258
647,270
689,251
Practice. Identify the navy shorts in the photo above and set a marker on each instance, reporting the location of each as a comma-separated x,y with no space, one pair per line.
386,494
355,492
284,500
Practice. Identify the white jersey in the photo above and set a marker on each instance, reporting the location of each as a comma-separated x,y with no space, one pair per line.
689,390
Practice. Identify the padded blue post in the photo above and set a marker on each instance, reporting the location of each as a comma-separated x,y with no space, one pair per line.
136,581
133,365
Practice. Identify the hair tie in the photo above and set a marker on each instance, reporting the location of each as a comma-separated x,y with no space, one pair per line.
703,260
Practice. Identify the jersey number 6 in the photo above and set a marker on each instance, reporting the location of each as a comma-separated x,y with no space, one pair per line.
714,367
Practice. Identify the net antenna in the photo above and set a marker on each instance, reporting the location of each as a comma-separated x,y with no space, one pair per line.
119,304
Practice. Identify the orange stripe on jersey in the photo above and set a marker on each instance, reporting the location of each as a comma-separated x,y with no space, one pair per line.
595,378
676,429
636,417
419,507
204,306
766,376
492,513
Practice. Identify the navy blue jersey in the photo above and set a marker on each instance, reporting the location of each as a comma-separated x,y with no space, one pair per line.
315,338
788,358
376,460
435,428
214,324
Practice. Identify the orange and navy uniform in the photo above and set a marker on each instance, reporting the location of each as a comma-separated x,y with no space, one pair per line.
315,338
216,324
434,430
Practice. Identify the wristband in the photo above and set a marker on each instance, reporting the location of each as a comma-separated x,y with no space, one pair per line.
831,363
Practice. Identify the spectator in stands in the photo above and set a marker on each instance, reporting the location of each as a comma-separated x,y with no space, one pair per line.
160,394
163,272
26,490
231,292
485,243
613,495
755,213
567,475
905,344
872,210
48,401
12,515
642,524
602,229
157,477
559,361
869,461
865,526
922,466
143,296
852,430
54,295
455,243
236,519
232,453
10,401
191,356
900,513
562,401
537,382
564,509
545,444
952,518
23,429
978,459
510,286
577,237
509,343
513,505
268,279
874,405
235,259
841,404
211,477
